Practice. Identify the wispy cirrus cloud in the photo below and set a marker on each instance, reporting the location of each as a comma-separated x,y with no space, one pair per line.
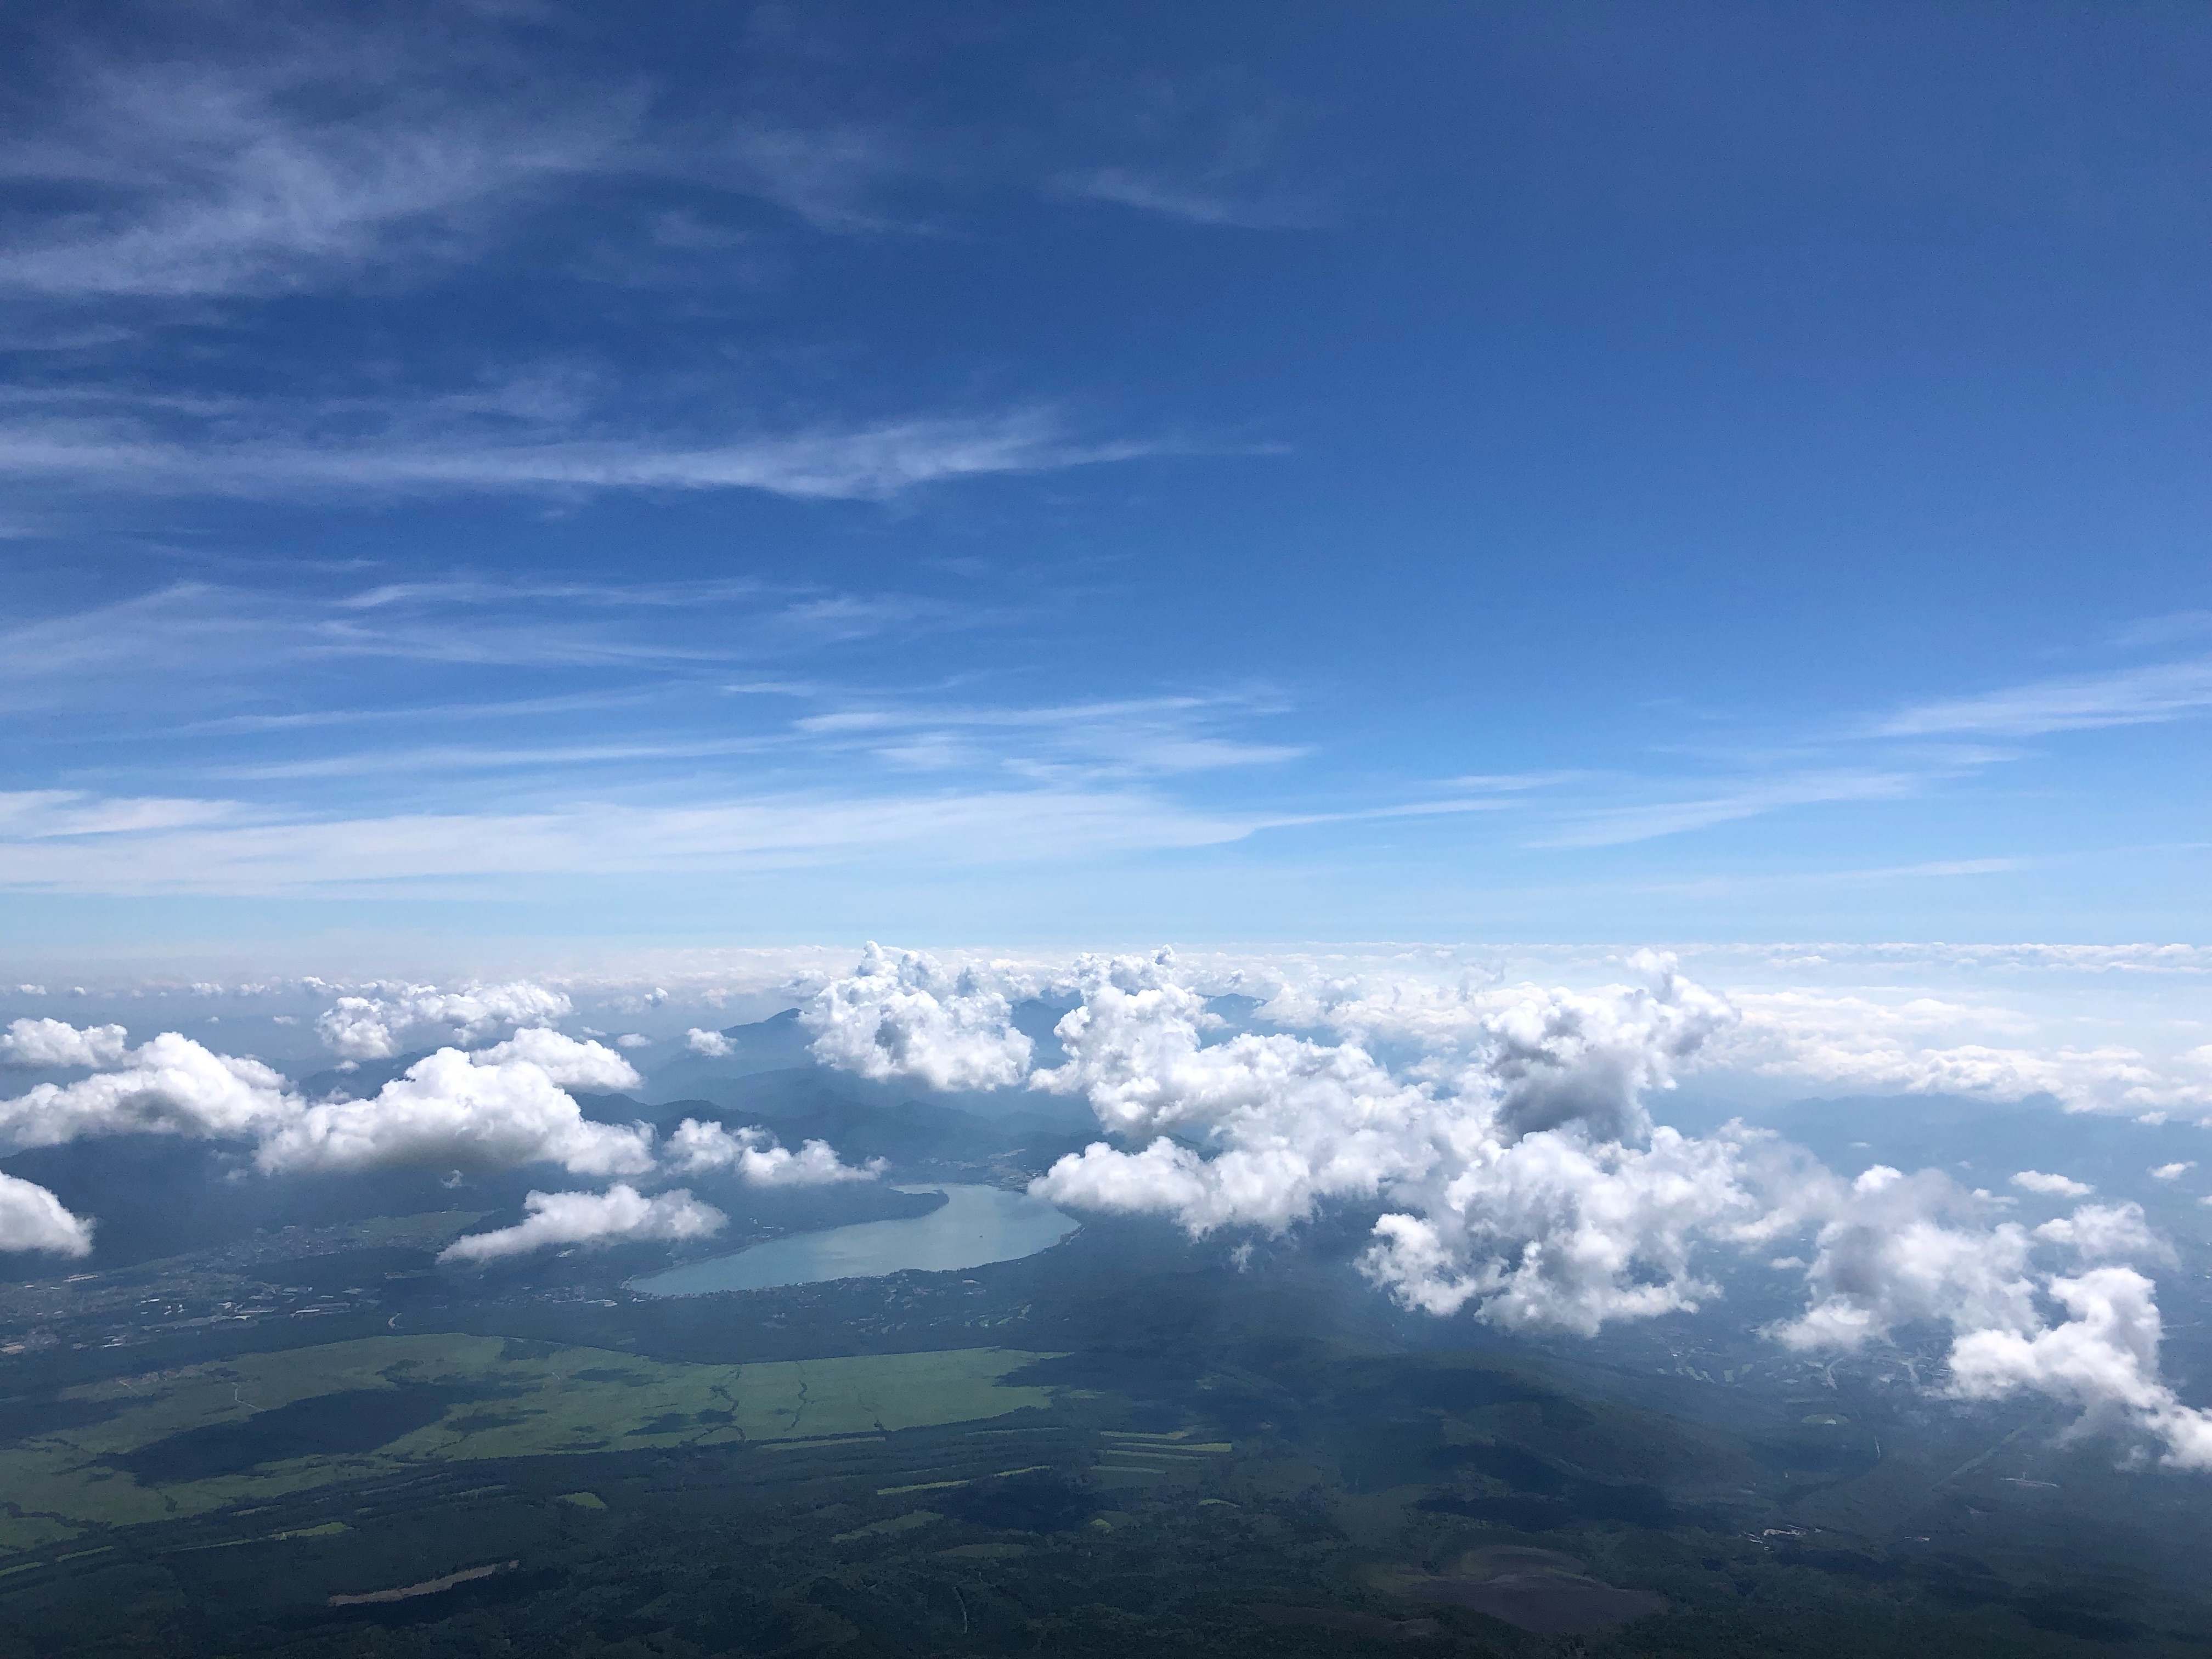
1208,198
1883,876
47,814
470,758
891,717
268,853
476,590
423,714
1049,746
1063,742
2127,697
1920,746
289,152
228,635
429,450
253,172
2148,632
1206,150
249,159
208,642
1614,826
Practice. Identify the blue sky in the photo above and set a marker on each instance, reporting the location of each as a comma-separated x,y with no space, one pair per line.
972,473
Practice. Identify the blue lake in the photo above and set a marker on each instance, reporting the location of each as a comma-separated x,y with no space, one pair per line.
973,1227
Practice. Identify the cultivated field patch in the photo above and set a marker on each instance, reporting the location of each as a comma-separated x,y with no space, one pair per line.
246,1430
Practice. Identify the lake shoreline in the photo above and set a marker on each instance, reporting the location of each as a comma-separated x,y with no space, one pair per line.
974,1227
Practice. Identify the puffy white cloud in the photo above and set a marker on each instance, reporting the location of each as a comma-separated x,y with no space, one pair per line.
1896,1249
372,1028
56,1043
1557,1230
712,1044
2106,1232
452,1110
170,1085
2051,1186
570,1061
1564,1058
1520,1190
1137,1053
620,1215
903,1015
503,1106
33,1219
2103,1359
2172,1172
754,1157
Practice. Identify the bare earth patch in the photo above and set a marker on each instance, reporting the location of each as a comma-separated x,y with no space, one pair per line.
428,1587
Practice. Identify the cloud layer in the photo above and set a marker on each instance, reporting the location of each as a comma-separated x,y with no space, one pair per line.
503,1106
1498,1134
374,1027
1518,1173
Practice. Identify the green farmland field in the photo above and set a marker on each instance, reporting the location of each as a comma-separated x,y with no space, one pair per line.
185,1442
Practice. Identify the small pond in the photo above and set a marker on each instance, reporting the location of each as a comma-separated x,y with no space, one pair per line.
974,1226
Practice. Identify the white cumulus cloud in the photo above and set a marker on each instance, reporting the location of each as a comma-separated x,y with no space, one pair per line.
753,1156
2106,1232
452,1110
2051,1186
2103,1359
570,1062
904,1015
372,1028
1564,1058
1525,1179
712,1044
56,1043
1893,1249
33,1219
620,1215
169,1086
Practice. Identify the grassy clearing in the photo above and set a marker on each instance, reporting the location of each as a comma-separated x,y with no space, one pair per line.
1126,1457
471,1398
897,1523
31,1532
